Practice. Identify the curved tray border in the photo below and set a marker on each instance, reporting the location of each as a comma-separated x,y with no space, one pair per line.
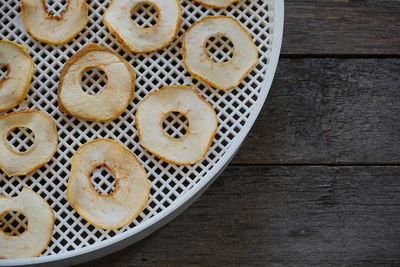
144,229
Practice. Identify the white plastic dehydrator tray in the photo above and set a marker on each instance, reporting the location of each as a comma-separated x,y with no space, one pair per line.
173,188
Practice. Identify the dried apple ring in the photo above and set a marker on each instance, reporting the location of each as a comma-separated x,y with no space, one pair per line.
117,19
202,118
15,163
118,91
14,87
132,187
216,3
53,29
221,75
37,236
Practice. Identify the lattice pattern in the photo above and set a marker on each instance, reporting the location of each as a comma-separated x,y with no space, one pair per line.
168,182
220,48
103,180
56,7
175,124
145,15
13,223
21,139
94,81
3,72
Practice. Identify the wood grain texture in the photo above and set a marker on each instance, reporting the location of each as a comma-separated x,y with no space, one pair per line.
287,216
328,111
342,27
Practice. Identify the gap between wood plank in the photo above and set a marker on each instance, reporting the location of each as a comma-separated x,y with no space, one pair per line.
344,56
316,164
329,111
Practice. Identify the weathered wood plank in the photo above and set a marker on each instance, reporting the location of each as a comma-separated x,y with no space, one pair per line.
342,27
328,111
296,216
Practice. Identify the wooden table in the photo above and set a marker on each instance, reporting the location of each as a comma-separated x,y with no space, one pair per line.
317,181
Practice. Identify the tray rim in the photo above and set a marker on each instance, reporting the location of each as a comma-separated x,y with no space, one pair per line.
147,227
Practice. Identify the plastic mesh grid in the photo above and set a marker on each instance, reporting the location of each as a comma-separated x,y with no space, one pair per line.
3,72
220,48
103,180
21,139
154,70
13,223
175,124
144,15
94,81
